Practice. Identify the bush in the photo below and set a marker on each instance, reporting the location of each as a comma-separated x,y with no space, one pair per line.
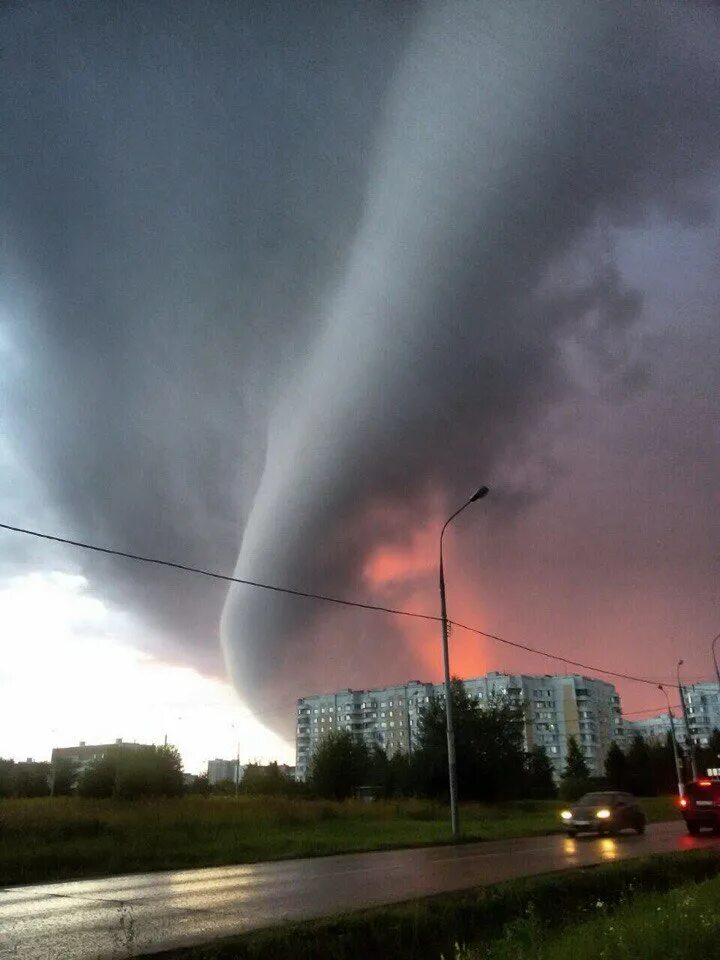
131,775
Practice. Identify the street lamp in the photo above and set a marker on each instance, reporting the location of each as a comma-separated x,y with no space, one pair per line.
452,765
715,660
678,770
691,745
237,761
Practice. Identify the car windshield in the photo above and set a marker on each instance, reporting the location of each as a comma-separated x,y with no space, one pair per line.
591,799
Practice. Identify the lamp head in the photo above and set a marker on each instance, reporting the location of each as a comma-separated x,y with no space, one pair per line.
482,492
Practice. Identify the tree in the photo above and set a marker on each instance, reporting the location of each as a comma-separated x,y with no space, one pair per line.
7,778
576,767
488,746
540,783
340,766
576,779
640,780
63,775
130,775
32,779
269,781
97,780
199,786
616,768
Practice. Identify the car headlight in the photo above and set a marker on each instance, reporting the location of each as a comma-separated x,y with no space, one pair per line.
566,815
602,814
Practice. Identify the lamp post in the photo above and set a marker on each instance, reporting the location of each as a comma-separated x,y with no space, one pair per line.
691,745
715,660
678,769
452,766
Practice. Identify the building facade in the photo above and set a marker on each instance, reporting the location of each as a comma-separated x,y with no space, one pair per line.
85,753
555,708
221,770
702,701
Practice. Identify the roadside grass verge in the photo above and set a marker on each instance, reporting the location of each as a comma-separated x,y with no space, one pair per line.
682,923
552,917
68,838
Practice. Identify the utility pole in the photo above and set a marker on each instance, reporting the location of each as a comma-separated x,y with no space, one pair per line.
676,756
715,661
452,763
691,744
237,771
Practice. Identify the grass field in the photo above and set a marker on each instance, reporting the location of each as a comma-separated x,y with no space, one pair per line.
62,838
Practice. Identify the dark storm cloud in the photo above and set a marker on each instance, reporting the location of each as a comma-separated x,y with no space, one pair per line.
509,130
289,265
180,189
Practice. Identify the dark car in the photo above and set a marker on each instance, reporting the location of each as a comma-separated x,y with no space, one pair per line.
604,813
700,806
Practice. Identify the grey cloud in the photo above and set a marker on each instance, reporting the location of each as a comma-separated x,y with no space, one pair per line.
288,264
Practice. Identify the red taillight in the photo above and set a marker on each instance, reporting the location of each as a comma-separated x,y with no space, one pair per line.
683,801
704,783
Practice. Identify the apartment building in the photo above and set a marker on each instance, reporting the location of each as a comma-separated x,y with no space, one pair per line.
702,701
220,770
555,708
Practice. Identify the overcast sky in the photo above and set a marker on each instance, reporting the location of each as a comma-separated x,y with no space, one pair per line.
283,283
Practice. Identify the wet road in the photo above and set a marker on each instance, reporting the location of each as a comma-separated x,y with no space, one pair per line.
144,913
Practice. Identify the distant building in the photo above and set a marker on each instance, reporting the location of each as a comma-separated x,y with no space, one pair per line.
556,707
85,753
653,729
220,770
703,710
703,707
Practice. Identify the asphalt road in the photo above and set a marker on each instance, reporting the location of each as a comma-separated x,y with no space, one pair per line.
144,913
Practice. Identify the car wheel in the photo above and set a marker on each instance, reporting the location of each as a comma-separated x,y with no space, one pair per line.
693,828
571,833
640,827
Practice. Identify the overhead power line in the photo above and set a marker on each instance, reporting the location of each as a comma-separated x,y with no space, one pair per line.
309,595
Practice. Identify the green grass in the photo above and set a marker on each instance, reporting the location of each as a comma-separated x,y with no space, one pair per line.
547,914
677,925
63,838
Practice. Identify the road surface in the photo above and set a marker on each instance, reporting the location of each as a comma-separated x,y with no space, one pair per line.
145,913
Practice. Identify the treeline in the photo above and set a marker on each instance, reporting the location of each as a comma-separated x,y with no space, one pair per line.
130,775
648,768
492,764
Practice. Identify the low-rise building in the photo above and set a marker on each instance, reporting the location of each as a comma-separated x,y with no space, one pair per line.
85,753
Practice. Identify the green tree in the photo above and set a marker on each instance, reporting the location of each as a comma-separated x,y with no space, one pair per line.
576,767
32,779
641,779
616,768
269,781
576,779
63,777
131,775
540,783
199,786
340,766
489,742
7,778
97,780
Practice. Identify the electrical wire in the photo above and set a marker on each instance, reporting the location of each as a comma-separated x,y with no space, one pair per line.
340,601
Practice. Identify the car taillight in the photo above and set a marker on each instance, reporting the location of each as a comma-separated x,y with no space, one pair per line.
704,783
683,802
